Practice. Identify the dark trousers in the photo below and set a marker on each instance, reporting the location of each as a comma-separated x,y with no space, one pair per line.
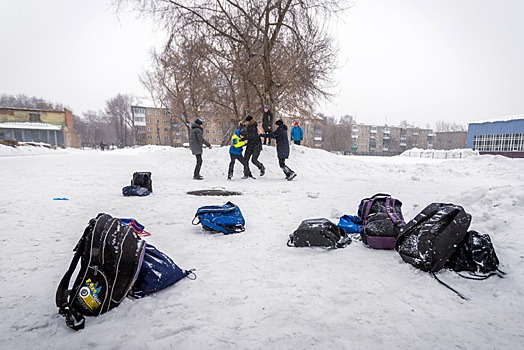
198,165
284,167
242,160
253,154
297,142
267,140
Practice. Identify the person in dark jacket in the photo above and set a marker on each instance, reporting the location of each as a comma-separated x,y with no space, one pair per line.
280,136
267,124
254,146
196,140
235,153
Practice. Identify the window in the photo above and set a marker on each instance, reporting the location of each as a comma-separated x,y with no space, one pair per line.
34,117
499,143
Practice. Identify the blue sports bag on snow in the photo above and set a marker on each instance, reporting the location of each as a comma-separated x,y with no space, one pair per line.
226,218
157,272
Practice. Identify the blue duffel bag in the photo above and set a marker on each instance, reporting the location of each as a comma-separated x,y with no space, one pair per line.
350,223
226,218
157,272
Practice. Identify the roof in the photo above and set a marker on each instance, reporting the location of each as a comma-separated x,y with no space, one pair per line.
30,126
33,109
501,119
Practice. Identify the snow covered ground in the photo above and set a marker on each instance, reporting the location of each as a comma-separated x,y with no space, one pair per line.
252,291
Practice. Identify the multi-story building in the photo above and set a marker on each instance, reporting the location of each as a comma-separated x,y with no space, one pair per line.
55,128
388,140
504,136
157,126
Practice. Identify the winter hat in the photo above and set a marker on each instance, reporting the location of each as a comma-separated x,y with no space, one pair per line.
279,122
199,121
248,118
296,123
266,107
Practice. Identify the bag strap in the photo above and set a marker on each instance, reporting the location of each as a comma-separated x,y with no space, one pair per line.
214,226
369,203
74,319
477,277
392,213
448,287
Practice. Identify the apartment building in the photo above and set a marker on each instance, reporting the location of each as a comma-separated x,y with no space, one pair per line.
388,140
157,126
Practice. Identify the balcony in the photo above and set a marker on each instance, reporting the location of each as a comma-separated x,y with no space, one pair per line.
385,149
386,131
386,137
402,144
373,130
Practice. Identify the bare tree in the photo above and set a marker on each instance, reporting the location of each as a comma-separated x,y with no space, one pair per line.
336,134
24,101
93,127
442,126
275,52
118,113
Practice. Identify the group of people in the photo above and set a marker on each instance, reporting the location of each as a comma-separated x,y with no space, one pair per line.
247,134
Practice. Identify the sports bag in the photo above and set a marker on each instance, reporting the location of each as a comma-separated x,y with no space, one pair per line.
475,254
226,218
135,190
430,239
318,233
110,256
143,179
158,271
350,223
381,220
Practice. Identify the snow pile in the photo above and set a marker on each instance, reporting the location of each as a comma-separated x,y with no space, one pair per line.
252,291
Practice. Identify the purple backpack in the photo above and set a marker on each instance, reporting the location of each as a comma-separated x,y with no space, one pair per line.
382,220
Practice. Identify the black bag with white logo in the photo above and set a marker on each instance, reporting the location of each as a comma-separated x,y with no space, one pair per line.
318,233
110,255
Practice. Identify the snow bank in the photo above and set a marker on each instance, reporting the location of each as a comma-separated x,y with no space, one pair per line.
252,291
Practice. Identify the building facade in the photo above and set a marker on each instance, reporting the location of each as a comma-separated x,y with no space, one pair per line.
157,126
504,137
448,140
55,128
388,140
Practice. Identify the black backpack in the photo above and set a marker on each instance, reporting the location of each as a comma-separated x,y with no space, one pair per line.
110,255
476,255
318,233
430,239
382,220
143,179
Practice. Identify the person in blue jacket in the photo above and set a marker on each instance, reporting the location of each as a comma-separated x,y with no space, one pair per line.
297,134
280,136
235,153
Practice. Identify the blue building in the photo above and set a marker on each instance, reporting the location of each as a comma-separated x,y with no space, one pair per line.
504,137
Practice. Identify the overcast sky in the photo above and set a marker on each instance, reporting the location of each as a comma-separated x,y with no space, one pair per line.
417,60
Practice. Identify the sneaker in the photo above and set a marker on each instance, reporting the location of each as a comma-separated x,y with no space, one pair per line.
262,171
198,177
291,176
